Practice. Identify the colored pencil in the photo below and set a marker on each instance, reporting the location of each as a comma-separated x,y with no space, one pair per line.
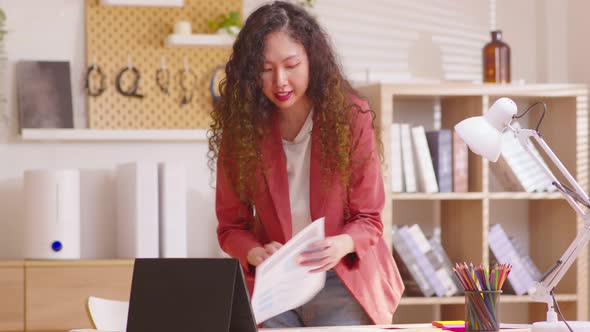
483,285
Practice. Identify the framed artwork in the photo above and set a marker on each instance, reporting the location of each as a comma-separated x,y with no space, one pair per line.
44,93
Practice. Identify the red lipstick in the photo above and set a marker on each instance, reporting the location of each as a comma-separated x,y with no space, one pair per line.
283,97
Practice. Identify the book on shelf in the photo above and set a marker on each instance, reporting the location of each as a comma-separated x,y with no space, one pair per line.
411,287
442,264
172,186
415,280
516,170
501,246
441,153
408,159
460,164
397,175
506,176
419,249
426,176
433,268
527,261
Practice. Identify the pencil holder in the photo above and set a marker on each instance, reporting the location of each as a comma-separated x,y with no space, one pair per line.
481,310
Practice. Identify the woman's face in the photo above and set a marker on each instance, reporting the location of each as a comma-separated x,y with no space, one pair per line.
285,73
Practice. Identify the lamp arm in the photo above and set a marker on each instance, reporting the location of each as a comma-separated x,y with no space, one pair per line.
542,289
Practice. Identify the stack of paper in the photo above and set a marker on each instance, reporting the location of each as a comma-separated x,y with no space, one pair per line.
281,283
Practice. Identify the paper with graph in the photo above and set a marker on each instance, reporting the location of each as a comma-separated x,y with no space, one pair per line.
282,284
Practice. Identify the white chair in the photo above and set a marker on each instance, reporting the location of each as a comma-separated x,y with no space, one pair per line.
108,315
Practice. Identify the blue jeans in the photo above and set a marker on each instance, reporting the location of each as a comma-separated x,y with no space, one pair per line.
332,306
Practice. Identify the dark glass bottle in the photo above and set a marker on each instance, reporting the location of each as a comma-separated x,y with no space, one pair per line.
496,60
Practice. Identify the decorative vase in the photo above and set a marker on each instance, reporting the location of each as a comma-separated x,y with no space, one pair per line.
496,60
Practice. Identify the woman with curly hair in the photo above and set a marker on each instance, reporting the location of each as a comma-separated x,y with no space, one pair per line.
293,142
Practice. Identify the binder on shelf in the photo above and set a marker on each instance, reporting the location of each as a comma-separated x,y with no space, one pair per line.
506,176
441,152
433,268
444,268
527,261
517,170
137,210
172,209
501,247
397,175
408,159
460,165
414,278
426,177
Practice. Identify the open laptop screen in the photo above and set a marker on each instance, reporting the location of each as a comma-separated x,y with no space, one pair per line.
189,294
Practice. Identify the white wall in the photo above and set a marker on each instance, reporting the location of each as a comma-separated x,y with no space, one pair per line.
426,40
553,27
46,30
518,22
578,48
54,30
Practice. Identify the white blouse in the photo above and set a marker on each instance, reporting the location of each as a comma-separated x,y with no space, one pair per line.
298,155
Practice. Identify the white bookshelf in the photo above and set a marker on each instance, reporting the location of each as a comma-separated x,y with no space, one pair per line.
196,40
543,221
116,135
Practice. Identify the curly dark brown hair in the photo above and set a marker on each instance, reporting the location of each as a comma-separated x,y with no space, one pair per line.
242,115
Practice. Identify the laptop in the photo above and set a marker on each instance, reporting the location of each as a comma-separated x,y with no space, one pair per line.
189,294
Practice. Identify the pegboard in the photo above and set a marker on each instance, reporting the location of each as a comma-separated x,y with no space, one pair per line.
114,34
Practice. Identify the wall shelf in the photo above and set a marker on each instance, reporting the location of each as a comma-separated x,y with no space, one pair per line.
121,135
195,40
147,3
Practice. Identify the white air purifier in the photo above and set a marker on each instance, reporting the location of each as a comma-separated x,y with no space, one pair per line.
52,214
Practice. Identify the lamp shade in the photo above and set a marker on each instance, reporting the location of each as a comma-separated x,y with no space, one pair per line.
483,134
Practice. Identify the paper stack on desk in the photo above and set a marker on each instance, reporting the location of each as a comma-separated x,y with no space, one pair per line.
281,283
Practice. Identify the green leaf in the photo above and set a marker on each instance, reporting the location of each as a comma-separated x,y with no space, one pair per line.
234,16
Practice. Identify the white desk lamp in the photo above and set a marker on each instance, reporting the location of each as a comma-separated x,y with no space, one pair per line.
483,135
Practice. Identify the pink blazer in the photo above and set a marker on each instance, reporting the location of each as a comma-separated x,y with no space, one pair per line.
370,274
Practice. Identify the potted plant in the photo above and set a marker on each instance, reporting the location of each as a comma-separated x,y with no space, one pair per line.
226,24
231,23
305,3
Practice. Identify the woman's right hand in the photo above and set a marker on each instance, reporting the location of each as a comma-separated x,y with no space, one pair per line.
257,255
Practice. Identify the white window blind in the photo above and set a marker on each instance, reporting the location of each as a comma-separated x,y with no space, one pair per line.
402,40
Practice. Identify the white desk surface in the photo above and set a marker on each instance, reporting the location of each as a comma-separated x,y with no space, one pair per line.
367,328
385,328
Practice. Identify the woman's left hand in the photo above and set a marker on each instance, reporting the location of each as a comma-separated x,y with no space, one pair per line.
325,254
